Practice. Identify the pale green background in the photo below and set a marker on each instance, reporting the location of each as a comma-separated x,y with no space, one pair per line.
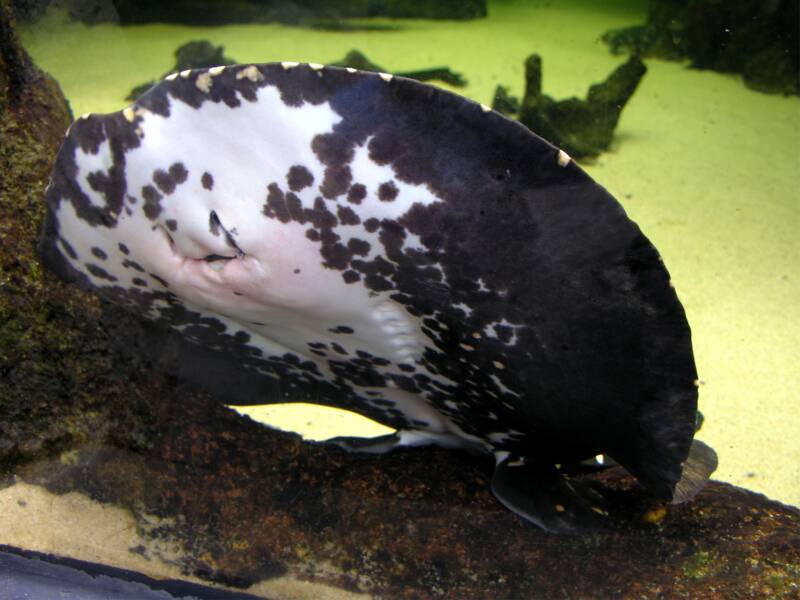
707,167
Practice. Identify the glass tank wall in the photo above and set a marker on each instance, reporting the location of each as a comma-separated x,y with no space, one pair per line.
703,154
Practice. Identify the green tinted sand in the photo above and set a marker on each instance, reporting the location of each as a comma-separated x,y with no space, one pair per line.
709,169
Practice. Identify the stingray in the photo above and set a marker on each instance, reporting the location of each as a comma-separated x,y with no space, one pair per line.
373,243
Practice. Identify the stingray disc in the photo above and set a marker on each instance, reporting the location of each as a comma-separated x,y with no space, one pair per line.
380,245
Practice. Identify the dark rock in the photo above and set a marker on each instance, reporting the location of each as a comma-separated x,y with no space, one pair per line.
249,503
503,102
197,54
760,39
357,60
582,128
296,12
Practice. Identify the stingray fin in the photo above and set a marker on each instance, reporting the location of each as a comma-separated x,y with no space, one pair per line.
371,445
544,496
697,468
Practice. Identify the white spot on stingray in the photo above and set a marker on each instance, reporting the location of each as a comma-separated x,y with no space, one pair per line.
502,387
563,158
129,114
498,365
289,64
214,71
600,459
185,74
315,66
252,73
485,108
350,69
85,116
500,437
467,347
203,82
467,309
477,335
386,76
171,76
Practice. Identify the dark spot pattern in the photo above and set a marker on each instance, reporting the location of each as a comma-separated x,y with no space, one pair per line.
68,248
341,329
171,224
356,193
152,202
372,224
336,182
347,216
357,246
99,272
159,279
275,206
132,264
123,248
99,253
351,276
164,181
299,177
387,191
207,181
555,239
168,180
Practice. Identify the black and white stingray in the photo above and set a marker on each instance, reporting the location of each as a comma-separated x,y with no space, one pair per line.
369,242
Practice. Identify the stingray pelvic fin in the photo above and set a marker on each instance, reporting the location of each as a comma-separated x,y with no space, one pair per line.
546,497
697,468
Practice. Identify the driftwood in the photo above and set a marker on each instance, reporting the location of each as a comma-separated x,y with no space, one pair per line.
251,503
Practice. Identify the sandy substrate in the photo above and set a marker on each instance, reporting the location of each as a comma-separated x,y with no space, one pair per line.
709,169
35,519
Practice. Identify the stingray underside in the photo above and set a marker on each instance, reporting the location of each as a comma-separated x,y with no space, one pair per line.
542,322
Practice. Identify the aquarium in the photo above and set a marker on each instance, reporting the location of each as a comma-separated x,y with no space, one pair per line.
399,299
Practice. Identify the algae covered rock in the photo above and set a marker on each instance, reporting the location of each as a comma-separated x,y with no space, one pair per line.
358,60
583,128
297,12
503,102
759,39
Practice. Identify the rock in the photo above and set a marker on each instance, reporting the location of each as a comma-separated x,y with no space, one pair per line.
251,504
298,12
56,355
197,54
756,38
503,102
357,60
582,128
